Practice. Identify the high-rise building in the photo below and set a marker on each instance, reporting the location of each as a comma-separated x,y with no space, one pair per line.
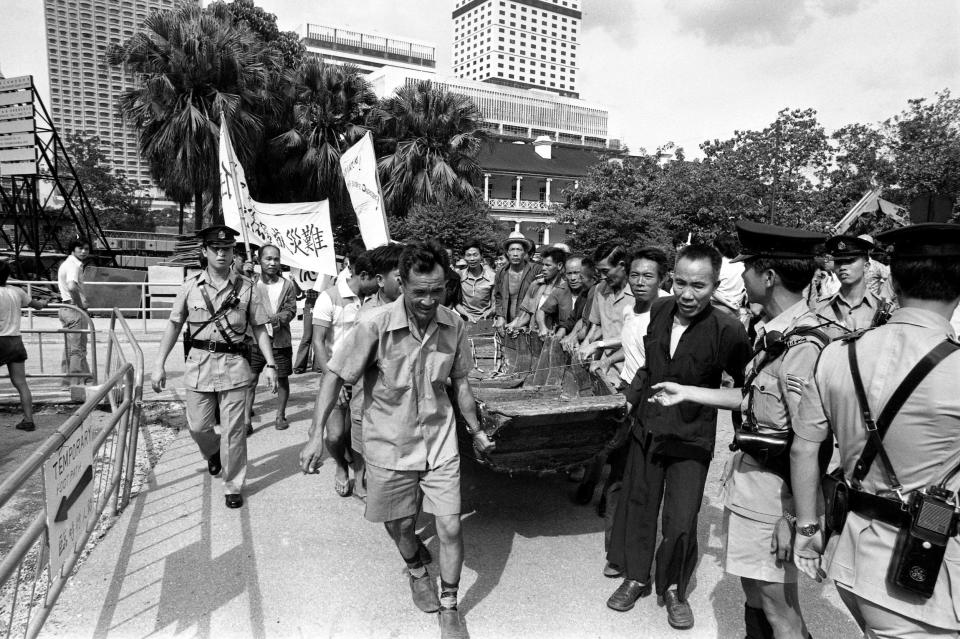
83,88
518,43
368,51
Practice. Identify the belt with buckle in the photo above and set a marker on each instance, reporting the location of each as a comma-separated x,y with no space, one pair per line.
216,347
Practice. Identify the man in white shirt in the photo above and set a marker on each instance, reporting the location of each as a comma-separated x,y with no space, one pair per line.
70,280
335,313
730,294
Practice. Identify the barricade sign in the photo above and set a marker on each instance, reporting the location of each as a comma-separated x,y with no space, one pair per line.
69,489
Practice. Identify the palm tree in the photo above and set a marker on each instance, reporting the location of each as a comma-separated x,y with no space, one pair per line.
325,107
431,138
192,67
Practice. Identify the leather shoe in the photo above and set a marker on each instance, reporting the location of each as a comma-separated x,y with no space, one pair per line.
626,595
452,625
679,613
213,464
424,592
234,501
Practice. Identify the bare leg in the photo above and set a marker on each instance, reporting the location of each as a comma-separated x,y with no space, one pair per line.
18,378
450,534
335,438
404,535
283,394
781,605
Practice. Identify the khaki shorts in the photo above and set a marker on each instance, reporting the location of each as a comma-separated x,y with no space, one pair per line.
395,494
746,551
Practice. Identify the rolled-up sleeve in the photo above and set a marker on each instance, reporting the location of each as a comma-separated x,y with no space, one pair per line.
353,353
323,310
811,421
463,360
178,312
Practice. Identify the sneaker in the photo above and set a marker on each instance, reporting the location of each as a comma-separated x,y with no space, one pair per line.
425,594
452,625
679,613
27,426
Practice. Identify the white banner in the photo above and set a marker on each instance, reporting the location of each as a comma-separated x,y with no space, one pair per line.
359,166
301,230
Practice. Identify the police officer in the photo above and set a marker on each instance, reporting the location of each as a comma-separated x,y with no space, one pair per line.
217,305
854,306
758,505
921,444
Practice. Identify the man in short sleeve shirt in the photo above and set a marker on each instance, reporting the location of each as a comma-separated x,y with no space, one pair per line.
70,281
854,306
922,442
403,354
218,306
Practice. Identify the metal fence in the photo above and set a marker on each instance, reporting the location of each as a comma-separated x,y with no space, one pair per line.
28,587
91,348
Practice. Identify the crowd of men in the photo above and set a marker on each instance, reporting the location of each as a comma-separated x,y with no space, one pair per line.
804,337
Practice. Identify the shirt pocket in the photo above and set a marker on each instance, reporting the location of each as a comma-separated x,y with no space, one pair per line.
395,374
439,367
767,406
237,317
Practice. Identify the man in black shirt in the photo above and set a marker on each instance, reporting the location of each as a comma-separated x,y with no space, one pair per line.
688,342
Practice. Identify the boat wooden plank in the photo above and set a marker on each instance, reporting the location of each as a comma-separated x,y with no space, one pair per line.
547,406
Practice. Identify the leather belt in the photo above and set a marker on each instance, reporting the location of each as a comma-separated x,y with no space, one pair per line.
891,511
217,347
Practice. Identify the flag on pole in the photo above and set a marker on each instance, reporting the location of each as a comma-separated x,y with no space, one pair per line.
301,230
359,166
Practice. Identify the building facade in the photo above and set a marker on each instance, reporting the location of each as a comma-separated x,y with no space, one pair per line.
83,88
368,51
512,112
528,44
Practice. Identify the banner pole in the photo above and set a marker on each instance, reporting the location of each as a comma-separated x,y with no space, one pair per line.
233,161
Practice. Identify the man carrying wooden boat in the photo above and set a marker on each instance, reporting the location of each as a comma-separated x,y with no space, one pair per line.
689,342
405,353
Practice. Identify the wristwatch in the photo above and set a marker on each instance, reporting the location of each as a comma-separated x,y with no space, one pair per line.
274,366
809,530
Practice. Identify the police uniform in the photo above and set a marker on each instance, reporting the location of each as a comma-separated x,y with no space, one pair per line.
787,347
923,444
852,314
213,376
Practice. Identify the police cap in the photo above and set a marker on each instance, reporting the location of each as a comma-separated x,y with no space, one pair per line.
923,240
769,240
930,235
846,246
218,236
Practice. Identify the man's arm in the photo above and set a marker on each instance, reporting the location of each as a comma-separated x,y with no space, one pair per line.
320,354
288,306
266,348
159,377
468,409
671,393
76,294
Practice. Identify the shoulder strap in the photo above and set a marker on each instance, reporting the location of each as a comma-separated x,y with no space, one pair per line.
215,315
877,430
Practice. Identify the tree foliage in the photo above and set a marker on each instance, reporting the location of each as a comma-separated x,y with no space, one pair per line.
790,172
112,196
429,139
452,223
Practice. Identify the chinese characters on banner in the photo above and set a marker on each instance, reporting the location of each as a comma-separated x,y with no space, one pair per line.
301,230
359,166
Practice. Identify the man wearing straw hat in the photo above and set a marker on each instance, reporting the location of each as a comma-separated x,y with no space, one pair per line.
514,280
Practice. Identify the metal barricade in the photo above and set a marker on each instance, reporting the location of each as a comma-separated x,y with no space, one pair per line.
90,349
28,591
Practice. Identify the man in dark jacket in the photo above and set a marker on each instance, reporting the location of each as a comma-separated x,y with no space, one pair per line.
690,343
513,280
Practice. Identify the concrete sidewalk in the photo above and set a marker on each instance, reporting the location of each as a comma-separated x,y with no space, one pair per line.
298,561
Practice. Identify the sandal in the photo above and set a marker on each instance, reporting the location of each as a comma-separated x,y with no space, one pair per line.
344,488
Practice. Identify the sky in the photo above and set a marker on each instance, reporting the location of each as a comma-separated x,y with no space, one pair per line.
680,71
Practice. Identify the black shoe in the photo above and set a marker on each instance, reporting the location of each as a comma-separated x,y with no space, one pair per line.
625,597
234,501
299,371
26,426
213,464
679,613
452,625
424,590
423,552
249,429
584,493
